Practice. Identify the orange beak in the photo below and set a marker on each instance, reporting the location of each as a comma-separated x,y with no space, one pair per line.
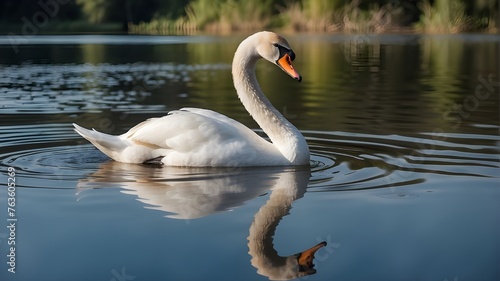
285,62
305,259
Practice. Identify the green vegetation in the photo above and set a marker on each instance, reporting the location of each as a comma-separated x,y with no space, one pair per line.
357,16
223,16
445,17
212,16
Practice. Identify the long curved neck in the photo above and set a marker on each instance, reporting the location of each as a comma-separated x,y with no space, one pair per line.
260,240
290,186
282,133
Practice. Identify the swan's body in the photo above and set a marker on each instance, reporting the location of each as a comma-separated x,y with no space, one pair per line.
200,137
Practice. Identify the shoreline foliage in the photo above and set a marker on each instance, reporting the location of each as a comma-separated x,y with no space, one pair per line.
356,16
230,16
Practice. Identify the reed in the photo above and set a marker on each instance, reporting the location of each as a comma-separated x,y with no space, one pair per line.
243,16
377,19
324,16
226,16
309,16
163,26
445,16
202,12
229,15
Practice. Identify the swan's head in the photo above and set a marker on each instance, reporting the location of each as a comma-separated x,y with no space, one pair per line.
285,268
276,50
305,260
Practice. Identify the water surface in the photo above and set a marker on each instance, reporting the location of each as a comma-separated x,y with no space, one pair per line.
403,183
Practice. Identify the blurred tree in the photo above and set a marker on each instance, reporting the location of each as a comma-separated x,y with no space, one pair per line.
172,9
96,11
487,9
14,10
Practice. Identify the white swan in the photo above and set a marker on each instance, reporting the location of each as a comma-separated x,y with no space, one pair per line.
199,137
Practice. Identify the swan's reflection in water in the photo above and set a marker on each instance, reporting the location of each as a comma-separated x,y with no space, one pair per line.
188,193
289,186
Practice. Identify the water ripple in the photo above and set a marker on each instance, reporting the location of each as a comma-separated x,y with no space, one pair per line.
53,156
75,88
363,161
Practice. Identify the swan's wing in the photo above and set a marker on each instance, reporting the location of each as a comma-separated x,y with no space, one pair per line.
188,129
222,118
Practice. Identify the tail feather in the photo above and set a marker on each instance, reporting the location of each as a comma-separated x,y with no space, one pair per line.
108,144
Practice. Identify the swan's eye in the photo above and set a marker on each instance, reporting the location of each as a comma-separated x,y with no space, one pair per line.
284,50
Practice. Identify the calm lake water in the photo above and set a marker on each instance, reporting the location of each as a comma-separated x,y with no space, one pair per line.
403,185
